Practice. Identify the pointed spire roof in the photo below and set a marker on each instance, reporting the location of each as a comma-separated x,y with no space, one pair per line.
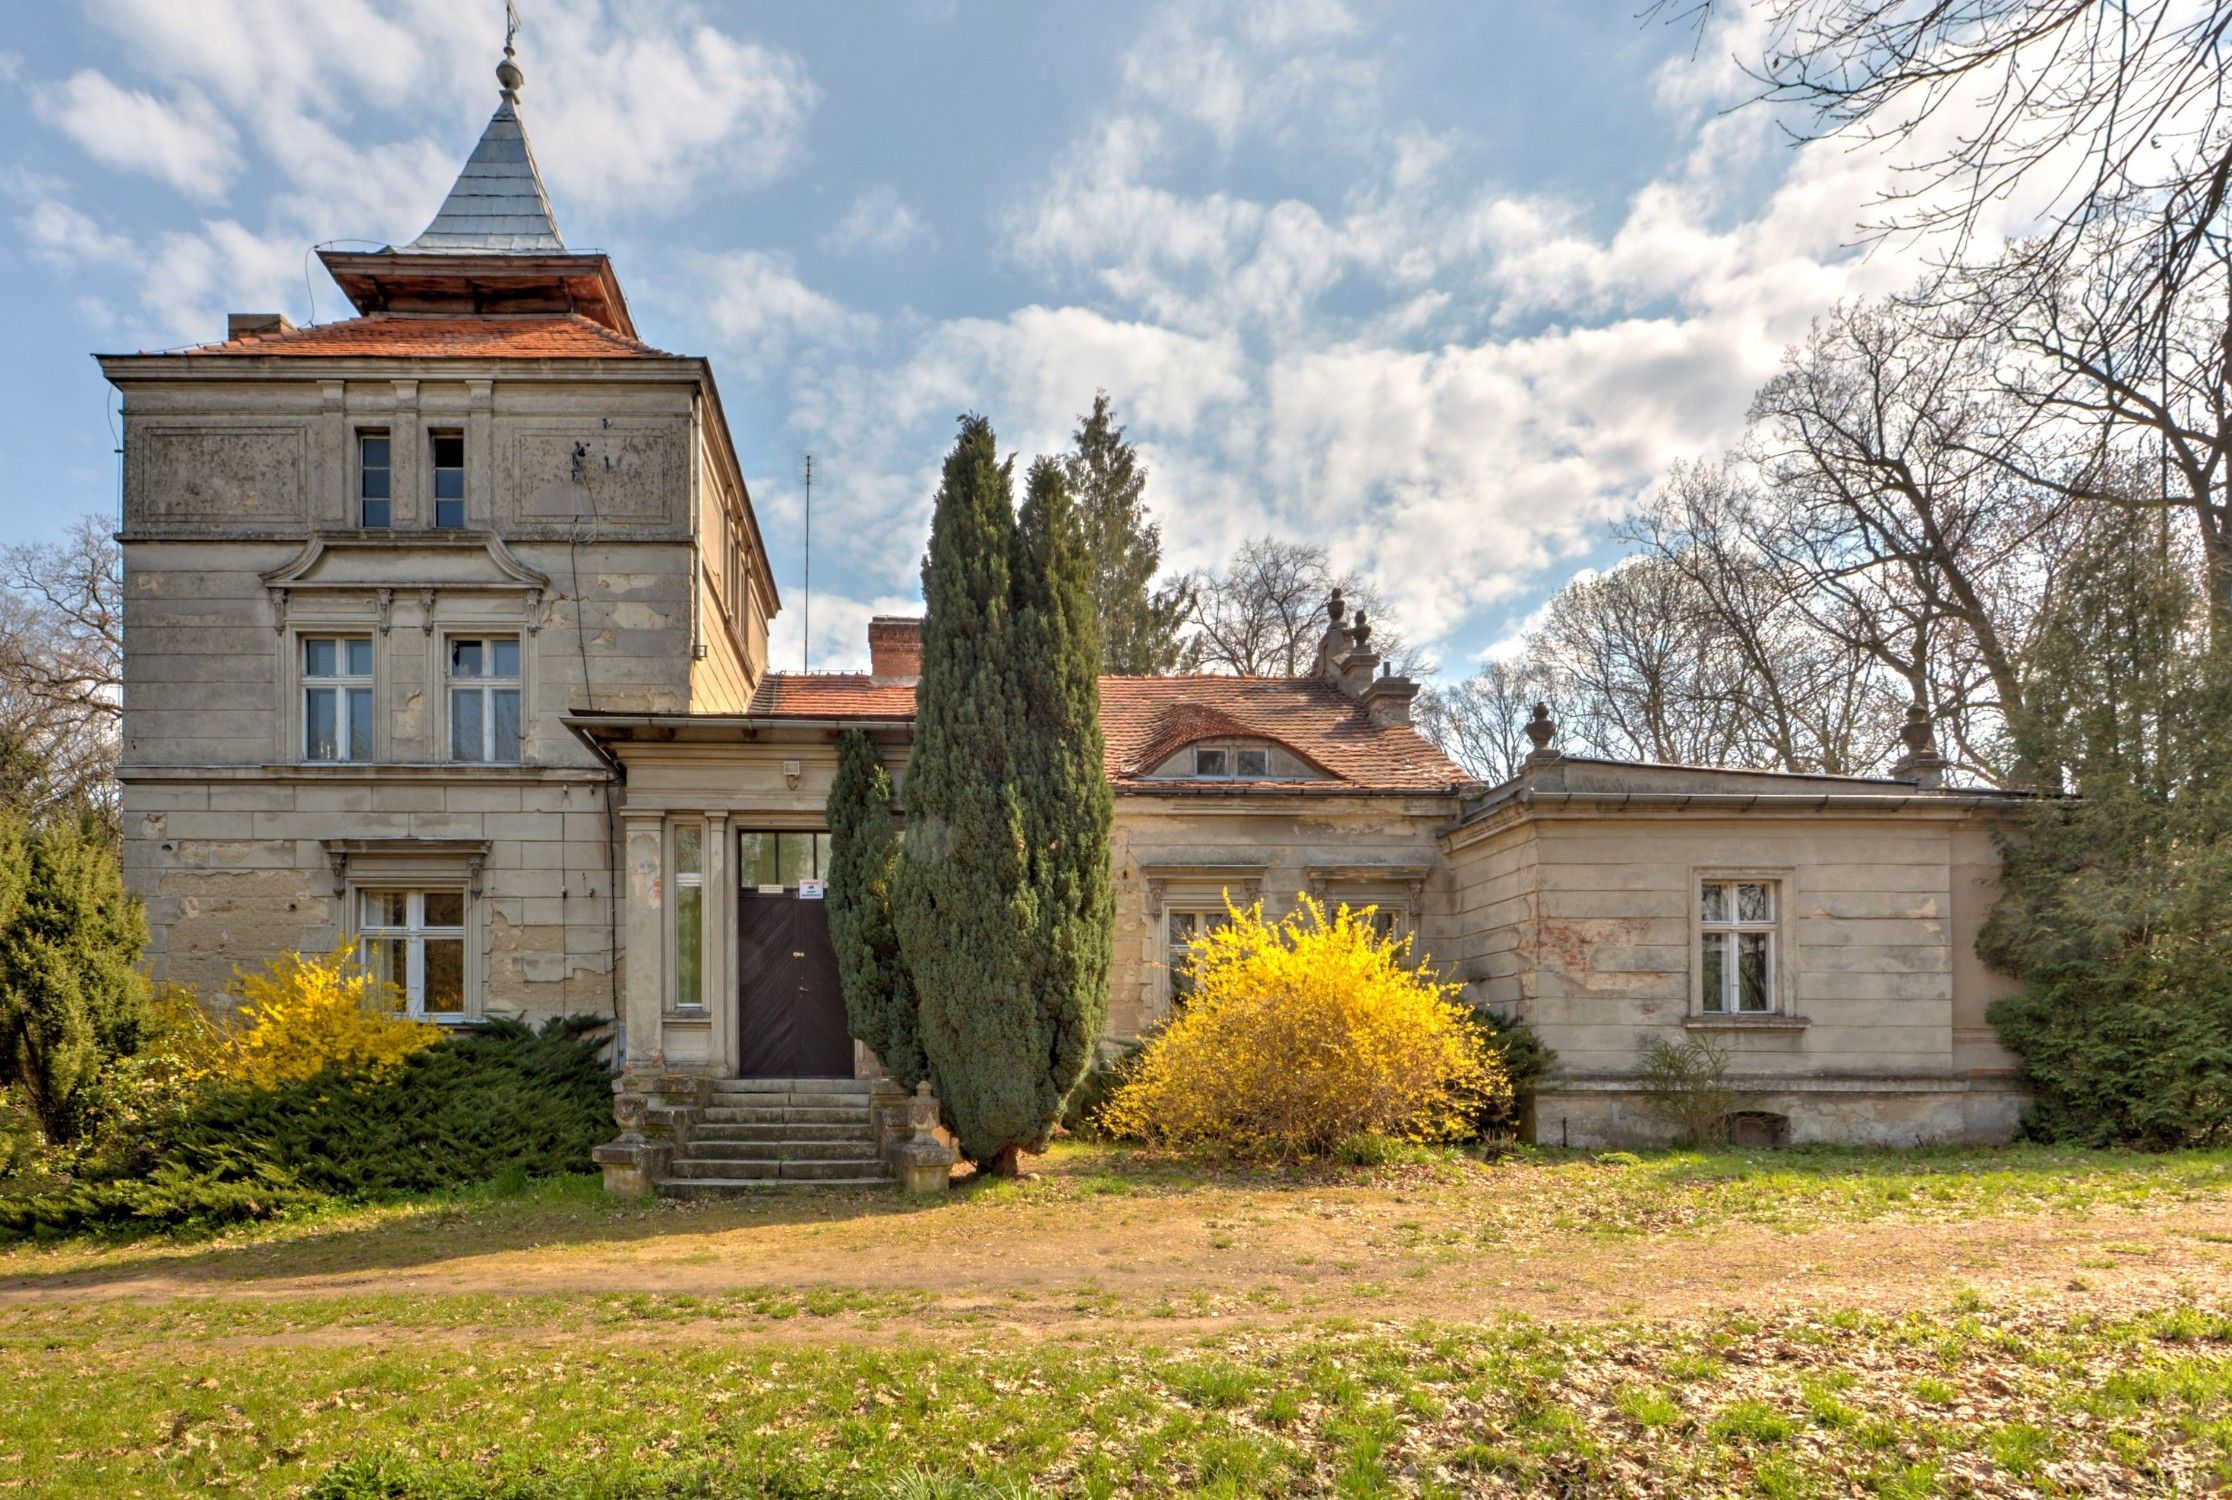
498,204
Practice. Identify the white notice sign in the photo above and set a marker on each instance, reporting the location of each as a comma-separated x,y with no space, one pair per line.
811,890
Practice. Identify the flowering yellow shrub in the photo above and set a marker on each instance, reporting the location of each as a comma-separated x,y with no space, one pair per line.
1303,1032
306,1013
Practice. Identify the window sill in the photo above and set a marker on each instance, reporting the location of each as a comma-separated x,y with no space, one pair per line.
688,1015
1771,1021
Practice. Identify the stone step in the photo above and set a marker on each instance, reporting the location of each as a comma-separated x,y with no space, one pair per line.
792,1085
783,1150
778,1108
693,1170
719,1130
738,1187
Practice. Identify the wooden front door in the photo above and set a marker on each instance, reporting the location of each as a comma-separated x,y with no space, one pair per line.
791,1019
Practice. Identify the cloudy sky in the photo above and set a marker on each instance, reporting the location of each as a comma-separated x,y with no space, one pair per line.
1442,286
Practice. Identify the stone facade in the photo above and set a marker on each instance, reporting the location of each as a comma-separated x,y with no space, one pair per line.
355,554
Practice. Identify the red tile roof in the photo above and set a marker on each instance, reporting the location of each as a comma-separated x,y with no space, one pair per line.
422,336
1147,719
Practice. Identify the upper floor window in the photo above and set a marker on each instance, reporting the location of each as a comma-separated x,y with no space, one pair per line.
1231,761
374,473
484,698
336,697
1736,933
449,480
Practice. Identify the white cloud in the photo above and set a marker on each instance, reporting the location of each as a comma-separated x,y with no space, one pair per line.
183,140
879,221
67,240
760,311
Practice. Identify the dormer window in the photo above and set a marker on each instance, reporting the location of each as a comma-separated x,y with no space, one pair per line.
1229,762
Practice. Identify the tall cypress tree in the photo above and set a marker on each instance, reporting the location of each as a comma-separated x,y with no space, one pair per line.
965,909
1067,806
71,996
864,855
1139,625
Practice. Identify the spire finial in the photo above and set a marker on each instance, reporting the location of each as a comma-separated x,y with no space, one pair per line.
507,71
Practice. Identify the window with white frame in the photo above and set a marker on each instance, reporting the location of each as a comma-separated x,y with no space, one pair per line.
689,915
415,940
1184,928
336,697
1736,952
484,698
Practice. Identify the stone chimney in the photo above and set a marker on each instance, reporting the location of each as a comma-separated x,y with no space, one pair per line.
1388,699
895,648
249,325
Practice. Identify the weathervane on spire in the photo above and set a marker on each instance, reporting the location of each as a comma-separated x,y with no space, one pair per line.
507,71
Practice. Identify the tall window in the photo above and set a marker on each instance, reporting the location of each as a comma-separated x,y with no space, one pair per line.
449,480
374,473
1183,928
689,914
336,697
415,940
484,698
1736,927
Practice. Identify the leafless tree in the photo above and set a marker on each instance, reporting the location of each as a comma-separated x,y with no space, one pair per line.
2115,111
1807,699
1264,615
1481,721
2141,420
1878,447
61,670
1637,668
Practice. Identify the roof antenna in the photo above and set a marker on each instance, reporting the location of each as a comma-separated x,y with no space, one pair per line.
806,608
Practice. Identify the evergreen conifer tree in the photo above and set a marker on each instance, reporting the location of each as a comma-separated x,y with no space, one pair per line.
1140,625
964,906
2112,910
1067,806
71,998
864,856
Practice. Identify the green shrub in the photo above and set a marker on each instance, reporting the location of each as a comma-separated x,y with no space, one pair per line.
502,1098
1527,1060
1081,1112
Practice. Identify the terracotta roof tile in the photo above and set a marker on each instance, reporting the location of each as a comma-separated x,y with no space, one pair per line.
426,336
1146,719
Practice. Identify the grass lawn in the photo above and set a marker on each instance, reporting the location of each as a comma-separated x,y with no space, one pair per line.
2005,1322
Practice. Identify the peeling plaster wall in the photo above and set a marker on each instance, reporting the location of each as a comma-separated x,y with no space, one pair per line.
1584,924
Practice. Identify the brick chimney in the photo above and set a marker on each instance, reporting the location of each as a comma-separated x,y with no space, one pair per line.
894,648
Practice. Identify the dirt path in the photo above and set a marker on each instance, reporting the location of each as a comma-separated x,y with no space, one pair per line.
1066,1268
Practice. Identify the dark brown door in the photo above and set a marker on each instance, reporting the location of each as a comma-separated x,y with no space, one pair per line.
791,1009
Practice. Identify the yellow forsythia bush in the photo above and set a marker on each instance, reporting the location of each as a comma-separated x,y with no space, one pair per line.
305,1013
1301,1033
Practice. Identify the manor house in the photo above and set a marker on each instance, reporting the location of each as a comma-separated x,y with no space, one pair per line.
447,633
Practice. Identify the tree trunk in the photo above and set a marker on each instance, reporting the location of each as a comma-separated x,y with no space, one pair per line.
1006,1162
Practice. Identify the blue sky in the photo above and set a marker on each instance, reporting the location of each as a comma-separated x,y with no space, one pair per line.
1442,286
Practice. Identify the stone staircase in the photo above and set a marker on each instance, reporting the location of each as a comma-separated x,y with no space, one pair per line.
759,1133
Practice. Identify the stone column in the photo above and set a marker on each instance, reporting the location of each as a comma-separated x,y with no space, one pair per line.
644,854
720,943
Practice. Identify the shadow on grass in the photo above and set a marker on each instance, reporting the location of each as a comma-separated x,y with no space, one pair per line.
548,1214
